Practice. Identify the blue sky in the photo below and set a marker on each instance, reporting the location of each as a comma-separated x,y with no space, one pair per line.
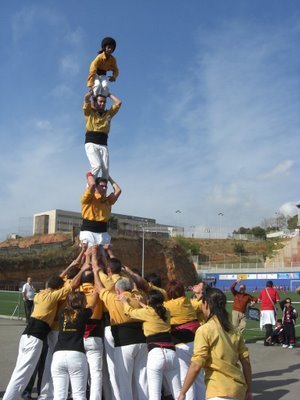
210,117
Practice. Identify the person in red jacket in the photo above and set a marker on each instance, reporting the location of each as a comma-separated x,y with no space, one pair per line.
268,297
241,299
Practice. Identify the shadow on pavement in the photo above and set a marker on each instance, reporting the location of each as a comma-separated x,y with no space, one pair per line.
277,372
263,386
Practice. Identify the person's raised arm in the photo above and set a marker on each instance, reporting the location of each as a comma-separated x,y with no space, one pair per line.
76,281
140,282
115,99
233,285
95,266
77,262
117,190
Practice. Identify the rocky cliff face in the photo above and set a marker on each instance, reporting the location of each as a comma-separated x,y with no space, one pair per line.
164,257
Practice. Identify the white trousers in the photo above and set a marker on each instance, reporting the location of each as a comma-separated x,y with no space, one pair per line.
162,363
98,157
69,366
94,352
111,379
93,238
30,349
184,353
131,362
47,383
101,85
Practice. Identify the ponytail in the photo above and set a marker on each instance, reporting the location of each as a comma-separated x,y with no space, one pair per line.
155,300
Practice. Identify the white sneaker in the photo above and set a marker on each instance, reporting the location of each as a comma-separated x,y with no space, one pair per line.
285,346
291,346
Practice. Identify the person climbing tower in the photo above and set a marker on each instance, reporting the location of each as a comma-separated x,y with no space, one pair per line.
104,62
97,130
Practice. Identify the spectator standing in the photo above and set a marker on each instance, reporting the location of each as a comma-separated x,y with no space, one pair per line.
241,299
289,316
28,296
268,297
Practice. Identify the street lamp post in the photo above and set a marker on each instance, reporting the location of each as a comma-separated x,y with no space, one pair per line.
143,251
177,222
220,214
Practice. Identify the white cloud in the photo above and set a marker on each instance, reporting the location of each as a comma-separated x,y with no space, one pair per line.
29,18
289,209
281,169
75,37
62,90
69,65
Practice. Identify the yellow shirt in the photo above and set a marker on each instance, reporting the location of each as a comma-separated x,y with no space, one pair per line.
46,303
219,352
181,310
108,281
95,207
115,306
152,322
104,63
88,289
197,305
96,122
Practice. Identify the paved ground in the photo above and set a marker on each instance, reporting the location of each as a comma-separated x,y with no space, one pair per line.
276,371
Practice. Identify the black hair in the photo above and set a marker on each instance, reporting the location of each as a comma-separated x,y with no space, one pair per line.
55,282
155,300
99,95
108,41
269,284
154,279
99,179
72,272
279,320
115,265
75,305
216,300
87,277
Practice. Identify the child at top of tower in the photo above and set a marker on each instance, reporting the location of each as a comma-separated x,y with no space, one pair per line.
104,62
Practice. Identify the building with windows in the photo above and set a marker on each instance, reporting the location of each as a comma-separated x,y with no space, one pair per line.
70,221
56,221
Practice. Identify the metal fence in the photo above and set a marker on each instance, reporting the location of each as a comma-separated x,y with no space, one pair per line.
246,267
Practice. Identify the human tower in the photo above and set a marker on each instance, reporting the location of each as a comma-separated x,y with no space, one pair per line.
96,205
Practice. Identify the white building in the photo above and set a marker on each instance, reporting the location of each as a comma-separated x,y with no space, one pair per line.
67,221
56,221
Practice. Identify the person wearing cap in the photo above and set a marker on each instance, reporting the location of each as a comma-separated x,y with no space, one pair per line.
98,121
104,62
